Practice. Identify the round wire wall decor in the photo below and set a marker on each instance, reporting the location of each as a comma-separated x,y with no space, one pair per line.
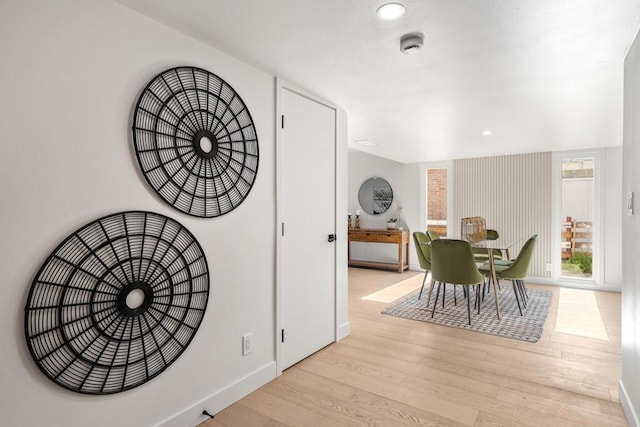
195,142
117,302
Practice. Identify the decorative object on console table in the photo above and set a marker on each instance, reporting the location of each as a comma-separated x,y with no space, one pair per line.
392,223
357,225
377,235
473,229
349,223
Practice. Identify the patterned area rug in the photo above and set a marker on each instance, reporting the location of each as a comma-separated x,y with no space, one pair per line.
527,327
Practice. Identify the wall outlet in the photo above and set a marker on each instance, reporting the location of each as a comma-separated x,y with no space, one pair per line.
548,267
247,343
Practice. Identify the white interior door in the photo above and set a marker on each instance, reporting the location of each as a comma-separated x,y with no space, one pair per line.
307,145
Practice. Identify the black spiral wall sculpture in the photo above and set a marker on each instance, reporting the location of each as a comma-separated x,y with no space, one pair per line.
195,142
117,302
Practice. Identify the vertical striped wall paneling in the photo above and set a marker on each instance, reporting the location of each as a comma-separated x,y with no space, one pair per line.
513,193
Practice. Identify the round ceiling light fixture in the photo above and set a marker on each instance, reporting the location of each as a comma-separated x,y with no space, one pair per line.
390,11
412,42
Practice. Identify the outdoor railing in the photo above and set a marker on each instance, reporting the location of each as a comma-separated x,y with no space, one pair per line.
577,236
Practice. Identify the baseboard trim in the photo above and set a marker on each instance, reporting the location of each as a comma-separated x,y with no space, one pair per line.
627,407
216,402
539,280
343,331
591,286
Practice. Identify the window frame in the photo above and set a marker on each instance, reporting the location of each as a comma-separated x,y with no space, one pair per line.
596,280
424,167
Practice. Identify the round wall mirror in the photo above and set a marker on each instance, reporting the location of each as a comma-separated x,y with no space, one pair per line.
375,196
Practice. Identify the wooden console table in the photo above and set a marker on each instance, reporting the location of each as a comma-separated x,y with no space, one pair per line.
378,235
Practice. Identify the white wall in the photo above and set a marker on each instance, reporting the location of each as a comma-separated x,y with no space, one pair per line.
405,183
71,73
630,381
342,203
612,201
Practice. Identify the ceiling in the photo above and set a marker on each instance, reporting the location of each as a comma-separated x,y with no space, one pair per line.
541,75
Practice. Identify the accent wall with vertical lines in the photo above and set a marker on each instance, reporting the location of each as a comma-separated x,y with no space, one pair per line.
513,193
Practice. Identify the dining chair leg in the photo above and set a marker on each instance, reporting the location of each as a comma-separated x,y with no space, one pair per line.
524,288
478,296
455,299
475,297
469,305
435,302
424,279
522,296
433,282
515,292
444,292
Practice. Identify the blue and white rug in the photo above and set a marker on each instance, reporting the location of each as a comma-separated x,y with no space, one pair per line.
527,327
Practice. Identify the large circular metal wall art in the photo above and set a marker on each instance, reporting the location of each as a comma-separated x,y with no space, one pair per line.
117,302
195,142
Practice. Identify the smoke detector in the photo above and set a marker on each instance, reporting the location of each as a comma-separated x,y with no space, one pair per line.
412,42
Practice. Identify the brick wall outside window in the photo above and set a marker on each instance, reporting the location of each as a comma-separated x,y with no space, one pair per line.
437,199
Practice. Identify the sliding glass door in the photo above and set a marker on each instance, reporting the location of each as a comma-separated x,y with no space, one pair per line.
576,180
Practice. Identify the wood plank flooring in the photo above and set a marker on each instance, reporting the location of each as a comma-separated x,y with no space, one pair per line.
398,372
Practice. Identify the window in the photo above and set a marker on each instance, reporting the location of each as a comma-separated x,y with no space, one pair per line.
577,194
576,184
436,195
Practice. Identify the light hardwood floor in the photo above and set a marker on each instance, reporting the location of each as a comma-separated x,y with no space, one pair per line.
397,372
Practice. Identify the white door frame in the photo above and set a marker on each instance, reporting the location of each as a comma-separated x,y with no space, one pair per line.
597,276
341,191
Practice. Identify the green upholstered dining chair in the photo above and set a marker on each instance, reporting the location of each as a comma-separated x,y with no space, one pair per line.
492,234
432,235
423,250
516,271
482,254
452,262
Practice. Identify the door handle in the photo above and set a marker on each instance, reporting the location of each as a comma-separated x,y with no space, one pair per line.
332,238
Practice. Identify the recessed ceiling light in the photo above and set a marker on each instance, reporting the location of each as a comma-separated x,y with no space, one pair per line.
390,11
486,132
366,143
